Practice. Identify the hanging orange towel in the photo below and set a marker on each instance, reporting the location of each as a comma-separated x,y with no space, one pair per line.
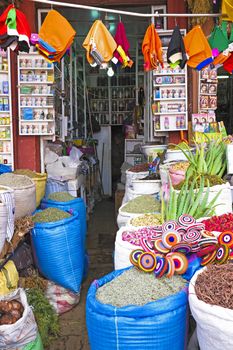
197,48
100,39
152,49
227,10
57,31
220,59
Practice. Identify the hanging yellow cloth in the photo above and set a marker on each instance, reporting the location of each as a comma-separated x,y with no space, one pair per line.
152,49
227,10
101,40
197,48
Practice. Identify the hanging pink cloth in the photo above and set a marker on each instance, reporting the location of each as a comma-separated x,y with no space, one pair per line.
122,42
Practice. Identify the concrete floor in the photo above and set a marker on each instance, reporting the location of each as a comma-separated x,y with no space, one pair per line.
100,244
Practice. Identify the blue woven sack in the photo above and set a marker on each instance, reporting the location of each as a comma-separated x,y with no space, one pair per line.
75,205
58,251
5,169
159,325
55,186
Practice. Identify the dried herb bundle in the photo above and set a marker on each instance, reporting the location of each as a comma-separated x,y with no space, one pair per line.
215,285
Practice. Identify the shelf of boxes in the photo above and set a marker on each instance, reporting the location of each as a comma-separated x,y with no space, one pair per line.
169,89
36,98
6,141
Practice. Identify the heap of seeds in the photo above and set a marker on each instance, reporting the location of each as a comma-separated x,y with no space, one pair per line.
147,220
27,172
50,215
142,205
134,287
14,181
61,197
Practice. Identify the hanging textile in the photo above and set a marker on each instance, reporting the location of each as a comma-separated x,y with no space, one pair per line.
122,51
14,30
228,64
197,48
176,55
227,9
55,37
152,49
99,44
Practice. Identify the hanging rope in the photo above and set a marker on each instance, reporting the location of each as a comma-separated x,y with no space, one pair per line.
127,13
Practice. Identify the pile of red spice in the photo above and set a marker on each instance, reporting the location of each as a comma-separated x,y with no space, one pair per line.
219,223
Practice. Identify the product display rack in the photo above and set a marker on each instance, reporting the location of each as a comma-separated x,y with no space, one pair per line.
6,132
112,100
133,154
36,95
169,95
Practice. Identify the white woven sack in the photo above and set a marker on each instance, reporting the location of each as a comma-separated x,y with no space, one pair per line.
122,250
129,195
7,197
224,200
25,200
130,176
229,156
214,323
122,220
60,298
3,225
24,330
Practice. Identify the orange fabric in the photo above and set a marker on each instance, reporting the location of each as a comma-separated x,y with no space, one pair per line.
152,49
196,46
57,31
220,59
102,38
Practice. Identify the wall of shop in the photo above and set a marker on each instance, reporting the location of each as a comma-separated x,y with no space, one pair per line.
27,149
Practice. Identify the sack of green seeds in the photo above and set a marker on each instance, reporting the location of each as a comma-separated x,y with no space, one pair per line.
155,325
58,247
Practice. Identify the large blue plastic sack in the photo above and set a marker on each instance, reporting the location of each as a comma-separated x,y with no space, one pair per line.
75,205
5,169
58,251
159,325
55,186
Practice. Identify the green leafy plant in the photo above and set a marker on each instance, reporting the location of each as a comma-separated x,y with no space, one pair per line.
191,199
45,315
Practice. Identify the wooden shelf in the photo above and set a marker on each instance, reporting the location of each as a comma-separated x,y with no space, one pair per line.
171,113
37,107
170,99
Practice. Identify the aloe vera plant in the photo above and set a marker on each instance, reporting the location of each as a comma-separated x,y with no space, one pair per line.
191,200
210,160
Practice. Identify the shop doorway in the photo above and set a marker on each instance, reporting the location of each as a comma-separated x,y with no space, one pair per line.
224,110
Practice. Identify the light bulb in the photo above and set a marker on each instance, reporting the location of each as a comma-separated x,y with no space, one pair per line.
110,72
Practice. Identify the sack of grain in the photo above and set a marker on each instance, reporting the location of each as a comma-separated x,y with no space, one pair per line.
58,247
55,186
24,191
159,324
38,178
